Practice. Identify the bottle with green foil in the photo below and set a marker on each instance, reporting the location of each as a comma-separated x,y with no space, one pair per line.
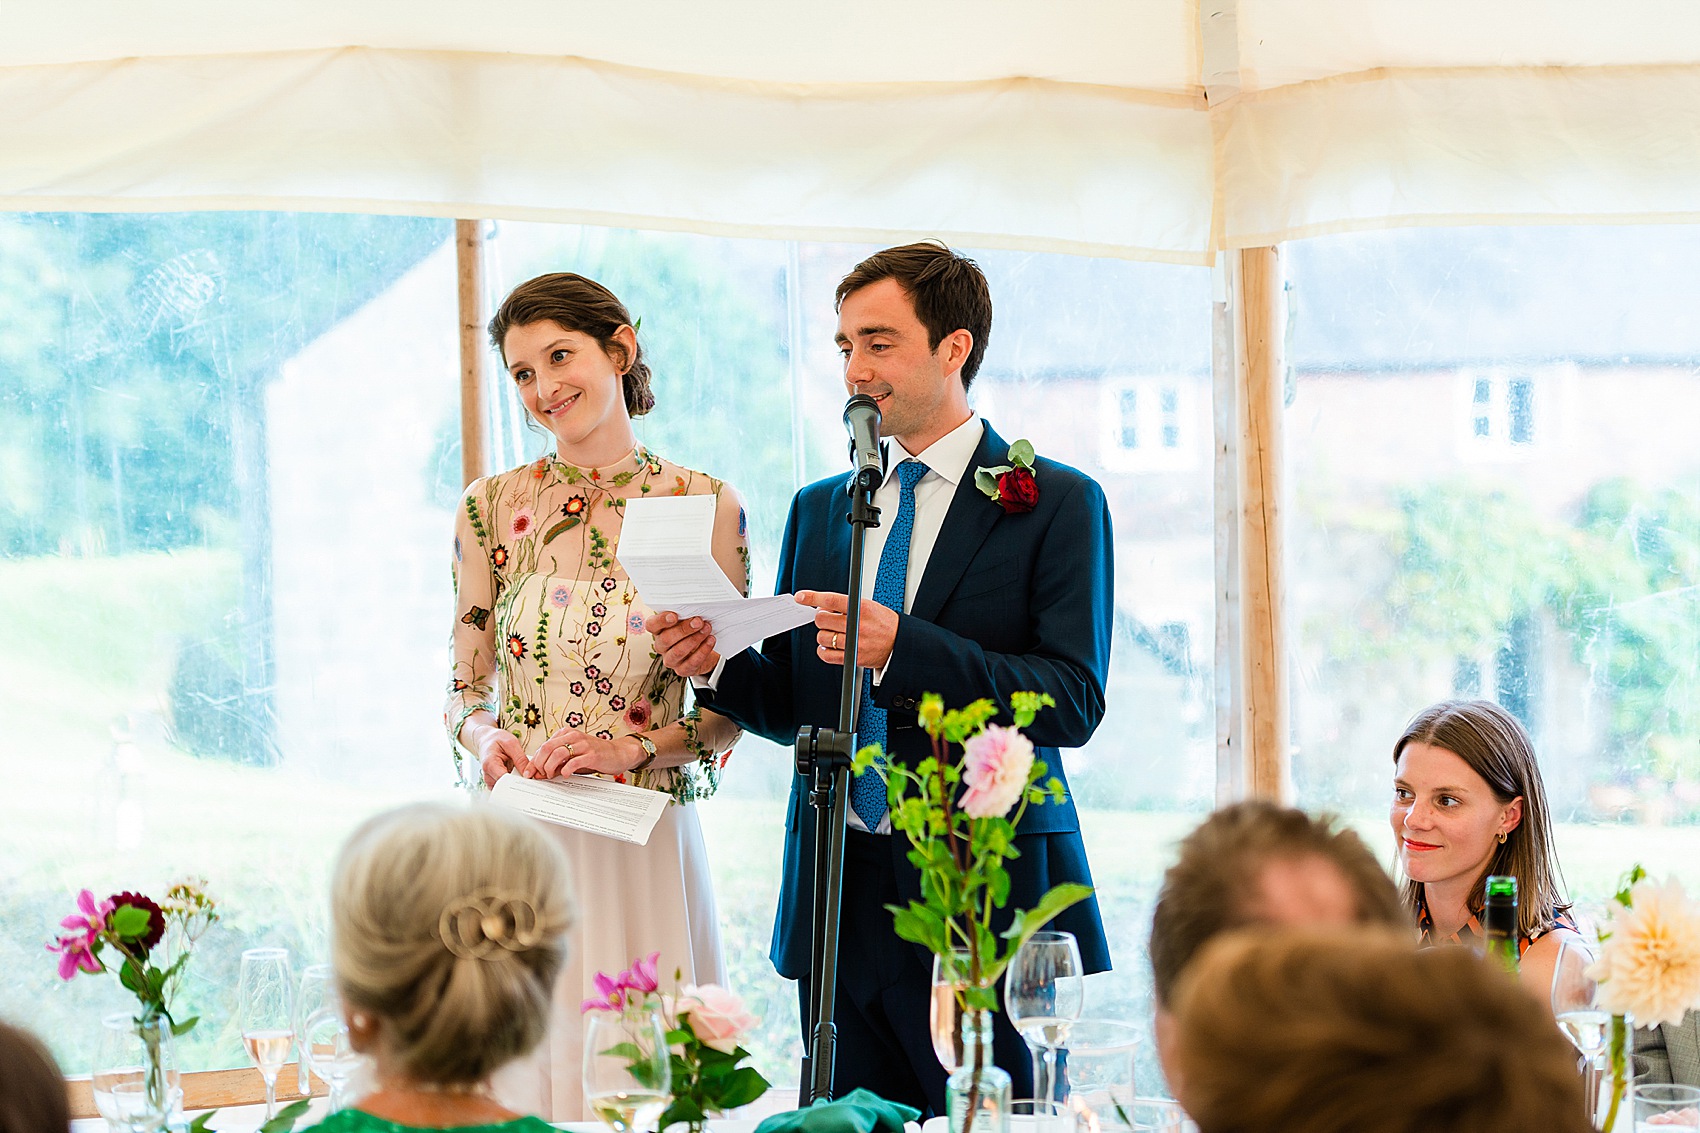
1499,921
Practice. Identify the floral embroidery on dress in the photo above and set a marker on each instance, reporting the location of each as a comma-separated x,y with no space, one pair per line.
542,609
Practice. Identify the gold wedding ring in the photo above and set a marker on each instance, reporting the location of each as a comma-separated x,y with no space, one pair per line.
835,641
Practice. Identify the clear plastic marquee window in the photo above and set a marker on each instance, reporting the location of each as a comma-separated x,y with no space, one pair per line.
1495,492
229,459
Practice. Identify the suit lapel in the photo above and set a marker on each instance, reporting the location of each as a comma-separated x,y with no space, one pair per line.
966,525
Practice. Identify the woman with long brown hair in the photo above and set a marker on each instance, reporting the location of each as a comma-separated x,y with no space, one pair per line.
1468,803
553,672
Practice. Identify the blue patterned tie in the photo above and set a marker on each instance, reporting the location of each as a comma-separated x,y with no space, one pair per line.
867,791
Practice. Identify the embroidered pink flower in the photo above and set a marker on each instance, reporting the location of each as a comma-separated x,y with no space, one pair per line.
522,522
561,597
639,713
995,765
635,623
717,1016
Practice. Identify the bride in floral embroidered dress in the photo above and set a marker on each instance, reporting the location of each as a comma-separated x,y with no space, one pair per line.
553,672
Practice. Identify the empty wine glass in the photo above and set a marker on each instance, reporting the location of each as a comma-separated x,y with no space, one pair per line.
267,1014
1097,1078
1579,1015
627,1070
315,978
123,1091
323,1035
1044,992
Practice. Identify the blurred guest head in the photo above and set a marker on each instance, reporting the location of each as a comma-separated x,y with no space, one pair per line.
32,1091
1354,1030
1468,802
1258,863
447,935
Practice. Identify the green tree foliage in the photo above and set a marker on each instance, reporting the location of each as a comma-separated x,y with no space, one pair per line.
1620,577
713,335
134,347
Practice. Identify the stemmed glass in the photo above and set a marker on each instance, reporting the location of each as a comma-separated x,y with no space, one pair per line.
1578,1015
1044,993
315,978
950,978
120,1079
324,1040
628,1075
267,1014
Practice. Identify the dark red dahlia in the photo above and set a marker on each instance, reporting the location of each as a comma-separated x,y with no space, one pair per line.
156,919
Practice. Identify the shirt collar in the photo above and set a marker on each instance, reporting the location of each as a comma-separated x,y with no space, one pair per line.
948,456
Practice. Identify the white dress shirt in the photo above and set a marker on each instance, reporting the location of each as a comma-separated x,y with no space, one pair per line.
947,463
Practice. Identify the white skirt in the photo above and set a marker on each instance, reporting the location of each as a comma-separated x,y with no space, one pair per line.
632,900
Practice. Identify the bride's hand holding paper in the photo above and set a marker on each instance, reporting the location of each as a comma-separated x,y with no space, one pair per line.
573,752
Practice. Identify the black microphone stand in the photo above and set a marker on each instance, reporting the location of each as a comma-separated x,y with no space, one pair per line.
825,756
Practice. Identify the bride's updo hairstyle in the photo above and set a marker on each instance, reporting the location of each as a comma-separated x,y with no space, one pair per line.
573,302
447,926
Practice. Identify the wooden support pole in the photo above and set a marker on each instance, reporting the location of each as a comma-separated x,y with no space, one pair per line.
469,264
1260,332
1224,403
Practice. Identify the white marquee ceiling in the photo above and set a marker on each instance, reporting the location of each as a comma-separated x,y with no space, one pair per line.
1158,129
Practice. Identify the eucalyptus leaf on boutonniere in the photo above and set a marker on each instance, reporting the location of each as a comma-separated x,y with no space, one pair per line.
1011,486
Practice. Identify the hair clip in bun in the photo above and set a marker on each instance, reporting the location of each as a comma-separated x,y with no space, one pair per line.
487,922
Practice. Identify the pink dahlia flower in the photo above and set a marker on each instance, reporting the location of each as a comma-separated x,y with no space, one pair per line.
995,767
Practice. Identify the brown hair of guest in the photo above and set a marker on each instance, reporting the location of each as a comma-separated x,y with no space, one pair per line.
1496,747
573,302
32,1090
947,290
1348,1031
1213,886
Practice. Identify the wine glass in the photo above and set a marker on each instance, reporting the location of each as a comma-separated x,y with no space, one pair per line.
1044,992
1098,1076
314,979
120,1083
950,978
323,1035
267,1014
1578,1015
627,1070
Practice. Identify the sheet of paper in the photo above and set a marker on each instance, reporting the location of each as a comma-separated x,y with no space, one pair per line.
583,802
667,547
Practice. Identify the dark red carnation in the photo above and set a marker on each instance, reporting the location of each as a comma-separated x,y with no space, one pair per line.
1017,492
156,919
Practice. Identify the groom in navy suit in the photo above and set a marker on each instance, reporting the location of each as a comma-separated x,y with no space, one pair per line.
972,598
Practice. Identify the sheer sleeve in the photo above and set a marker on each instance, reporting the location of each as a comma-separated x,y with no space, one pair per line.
473,676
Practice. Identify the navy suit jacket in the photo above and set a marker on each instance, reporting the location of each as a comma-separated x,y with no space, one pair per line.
1007,603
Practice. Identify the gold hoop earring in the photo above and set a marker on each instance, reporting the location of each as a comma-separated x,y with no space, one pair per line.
1502,837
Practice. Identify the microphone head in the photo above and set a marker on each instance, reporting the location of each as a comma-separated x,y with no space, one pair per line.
861,403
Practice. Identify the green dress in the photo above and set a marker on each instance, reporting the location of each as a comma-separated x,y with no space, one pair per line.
356,1121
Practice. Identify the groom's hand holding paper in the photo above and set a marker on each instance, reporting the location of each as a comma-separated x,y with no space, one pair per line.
666,547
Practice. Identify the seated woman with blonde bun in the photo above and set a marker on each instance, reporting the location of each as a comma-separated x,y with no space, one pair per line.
1468,803
447,932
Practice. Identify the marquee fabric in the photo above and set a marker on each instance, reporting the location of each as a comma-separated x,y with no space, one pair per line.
1153,129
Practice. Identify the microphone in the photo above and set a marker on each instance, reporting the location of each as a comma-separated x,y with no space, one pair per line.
862,418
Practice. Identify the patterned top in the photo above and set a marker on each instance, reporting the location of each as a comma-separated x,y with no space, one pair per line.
1473,935
549,629
357,1121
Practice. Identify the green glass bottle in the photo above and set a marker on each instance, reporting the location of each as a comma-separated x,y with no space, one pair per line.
1499,921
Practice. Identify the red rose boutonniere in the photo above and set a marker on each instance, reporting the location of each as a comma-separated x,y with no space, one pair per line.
1011,486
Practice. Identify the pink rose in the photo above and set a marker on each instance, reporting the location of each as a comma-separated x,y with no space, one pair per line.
717,1016
995,767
